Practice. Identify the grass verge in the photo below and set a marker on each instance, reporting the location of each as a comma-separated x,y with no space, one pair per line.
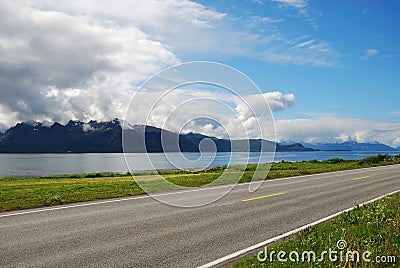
23,193
373,228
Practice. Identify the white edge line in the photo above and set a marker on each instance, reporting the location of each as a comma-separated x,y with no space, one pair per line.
179,192
276,238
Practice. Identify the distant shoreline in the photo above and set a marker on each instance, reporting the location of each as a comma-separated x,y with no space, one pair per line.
37,164
40,191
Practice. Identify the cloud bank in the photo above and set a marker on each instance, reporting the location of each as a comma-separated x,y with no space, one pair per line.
66,60
338,129
56,66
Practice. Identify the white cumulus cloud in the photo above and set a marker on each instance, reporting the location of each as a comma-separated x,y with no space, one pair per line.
214,113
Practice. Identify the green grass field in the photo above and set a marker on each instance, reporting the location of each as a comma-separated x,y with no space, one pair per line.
374,228
23,193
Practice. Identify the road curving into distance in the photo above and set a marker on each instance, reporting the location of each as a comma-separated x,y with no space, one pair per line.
142,232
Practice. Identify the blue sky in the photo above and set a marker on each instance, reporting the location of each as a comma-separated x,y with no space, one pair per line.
356,85
358,75
329,69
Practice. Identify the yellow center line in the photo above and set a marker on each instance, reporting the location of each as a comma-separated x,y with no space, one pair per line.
264,196
360,178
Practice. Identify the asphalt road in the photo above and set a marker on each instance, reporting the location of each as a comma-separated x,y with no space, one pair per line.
142,232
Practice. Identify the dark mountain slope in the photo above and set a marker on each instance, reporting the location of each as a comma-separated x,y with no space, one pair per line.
106,137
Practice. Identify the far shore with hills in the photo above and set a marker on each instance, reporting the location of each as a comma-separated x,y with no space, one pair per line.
107,137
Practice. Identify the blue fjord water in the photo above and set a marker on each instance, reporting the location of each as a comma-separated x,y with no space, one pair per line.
33,165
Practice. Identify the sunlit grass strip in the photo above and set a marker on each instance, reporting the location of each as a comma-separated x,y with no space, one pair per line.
374,228
22,193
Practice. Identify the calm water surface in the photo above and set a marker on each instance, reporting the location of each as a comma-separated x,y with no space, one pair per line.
32,165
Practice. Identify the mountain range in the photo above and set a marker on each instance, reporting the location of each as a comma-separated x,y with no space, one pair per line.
350,146
106,137
346,146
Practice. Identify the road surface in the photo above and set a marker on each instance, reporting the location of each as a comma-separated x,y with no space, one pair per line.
142,232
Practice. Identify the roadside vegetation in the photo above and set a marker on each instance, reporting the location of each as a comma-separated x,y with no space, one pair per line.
373,228
23,193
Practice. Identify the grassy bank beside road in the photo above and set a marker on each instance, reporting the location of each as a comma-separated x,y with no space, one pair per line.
23,193
374,228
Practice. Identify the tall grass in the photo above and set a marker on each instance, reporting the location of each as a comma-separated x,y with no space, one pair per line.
374,228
